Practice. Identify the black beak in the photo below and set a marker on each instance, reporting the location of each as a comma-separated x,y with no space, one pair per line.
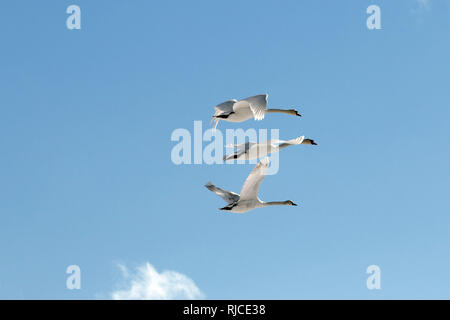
294,204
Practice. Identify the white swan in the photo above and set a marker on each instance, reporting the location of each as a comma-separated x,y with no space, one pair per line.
248,199
253,150
242,110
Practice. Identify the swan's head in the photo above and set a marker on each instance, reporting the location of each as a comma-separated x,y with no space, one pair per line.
294,112
309,141
290,203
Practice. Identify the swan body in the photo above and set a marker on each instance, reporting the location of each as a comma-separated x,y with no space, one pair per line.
252,150
242,110
248,199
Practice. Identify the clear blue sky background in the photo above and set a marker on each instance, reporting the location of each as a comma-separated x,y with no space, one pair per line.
86,117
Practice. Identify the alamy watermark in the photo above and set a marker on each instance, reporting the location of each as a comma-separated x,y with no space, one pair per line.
74,20
374,280
207,147
74,280
374,20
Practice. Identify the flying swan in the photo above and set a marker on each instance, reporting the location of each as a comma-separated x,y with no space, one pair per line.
242,110
248,199
253,150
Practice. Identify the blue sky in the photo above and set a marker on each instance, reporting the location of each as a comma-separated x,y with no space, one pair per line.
85,125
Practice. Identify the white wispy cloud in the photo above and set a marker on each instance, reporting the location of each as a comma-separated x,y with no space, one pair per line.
146,283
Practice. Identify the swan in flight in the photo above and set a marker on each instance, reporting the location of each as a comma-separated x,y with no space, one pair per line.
248,199
253,150
242,110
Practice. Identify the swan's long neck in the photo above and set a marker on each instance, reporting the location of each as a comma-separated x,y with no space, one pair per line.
290,111
275,203
304,141
283,145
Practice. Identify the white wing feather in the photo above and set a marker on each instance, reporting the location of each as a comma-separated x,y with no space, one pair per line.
258,105
251,185
224,107
240,150
228,196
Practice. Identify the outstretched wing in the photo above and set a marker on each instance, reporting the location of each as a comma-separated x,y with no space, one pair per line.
258,105
240,150
251,185
224,108
228,196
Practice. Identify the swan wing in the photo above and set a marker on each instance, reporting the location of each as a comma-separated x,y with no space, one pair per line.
225,107
258,105
243,146
251,185
298,140
228,196
240,150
